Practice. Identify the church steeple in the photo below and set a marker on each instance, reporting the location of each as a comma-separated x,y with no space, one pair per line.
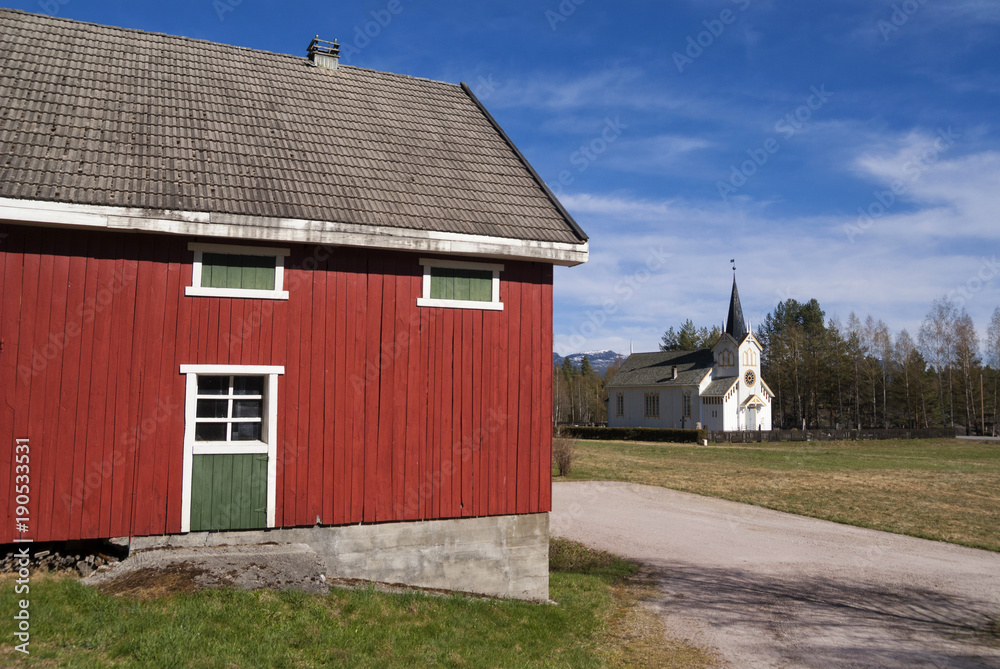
736,325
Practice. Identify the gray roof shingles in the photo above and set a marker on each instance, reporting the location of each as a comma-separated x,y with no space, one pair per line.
656,369
719,387
99,115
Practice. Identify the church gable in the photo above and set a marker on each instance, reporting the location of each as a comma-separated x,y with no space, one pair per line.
750,352
727,357
718,388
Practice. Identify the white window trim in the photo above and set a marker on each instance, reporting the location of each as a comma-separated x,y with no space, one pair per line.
191,449
425,299
197,290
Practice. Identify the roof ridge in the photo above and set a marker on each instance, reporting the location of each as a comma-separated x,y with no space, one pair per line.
400,74
200,40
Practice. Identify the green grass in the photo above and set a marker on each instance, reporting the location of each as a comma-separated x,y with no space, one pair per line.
73,625
944,489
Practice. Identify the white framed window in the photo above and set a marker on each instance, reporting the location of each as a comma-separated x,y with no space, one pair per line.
455,284
230,410
620,405
686,405
224,270
652,405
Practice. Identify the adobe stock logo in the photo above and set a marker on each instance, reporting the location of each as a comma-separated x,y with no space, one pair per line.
788,126
363,36
714,29
51,7
589,152
565,9
901,15
887,199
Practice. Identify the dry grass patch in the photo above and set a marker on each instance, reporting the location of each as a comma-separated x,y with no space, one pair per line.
634,634
562,455
155,583
637,637
936,489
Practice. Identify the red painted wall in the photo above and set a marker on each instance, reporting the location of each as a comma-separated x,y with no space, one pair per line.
386,411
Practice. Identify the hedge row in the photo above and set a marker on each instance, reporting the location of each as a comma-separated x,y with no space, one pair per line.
635,434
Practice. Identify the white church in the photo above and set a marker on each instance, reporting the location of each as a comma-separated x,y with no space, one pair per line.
716,388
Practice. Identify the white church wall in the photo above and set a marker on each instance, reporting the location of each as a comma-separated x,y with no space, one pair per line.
671,407
730,408
713,416
765,417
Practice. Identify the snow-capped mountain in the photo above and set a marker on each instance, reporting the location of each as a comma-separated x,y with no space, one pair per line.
599,360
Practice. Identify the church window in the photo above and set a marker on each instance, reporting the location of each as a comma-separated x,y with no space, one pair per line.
620,405
687,405
652,405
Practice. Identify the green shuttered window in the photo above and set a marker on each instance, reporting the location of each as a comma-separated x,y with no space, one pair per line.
461,284
454,284
221,270
233,271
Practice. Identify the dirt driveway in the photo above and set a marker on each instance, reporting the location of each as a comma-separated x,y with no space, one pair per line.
769,589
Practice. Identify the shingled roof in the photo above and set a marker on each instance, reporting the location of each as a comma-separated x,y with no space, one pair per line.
656,369
719,387
96,115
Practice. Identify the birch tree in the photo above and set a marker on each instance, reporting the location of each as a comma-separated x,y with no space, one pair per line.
937,340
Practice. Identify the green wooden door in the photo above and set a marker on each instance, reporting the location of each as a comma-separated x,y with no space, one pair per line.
228,492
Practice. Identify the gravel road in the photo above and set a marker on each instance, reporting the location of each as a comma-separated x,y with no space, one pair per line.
769,589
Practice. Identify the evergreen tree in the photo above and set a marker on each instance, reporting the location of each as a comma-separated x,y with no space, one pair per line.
689,337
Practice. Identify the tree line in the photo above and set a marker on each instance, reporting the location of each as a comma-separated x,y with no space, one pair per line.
858,373
830,373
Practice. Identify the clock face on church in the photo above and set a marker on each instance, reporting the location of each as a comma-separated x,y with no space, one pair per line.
749,378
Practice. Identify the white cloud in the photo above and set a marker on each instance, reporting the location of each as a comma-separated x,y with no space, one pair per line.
968,11
617,87
928,245
956,195
661,154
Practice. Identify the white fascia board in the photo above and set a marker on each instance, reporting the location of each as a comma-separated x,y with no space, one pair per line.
259,228
459,304
241,250
233,370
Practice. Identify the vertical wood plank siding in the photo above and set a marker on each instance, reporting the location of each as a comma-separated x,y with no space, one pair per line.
386,411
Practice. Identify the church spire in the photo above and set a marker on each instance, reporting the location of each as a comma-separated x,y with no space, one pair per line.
736,326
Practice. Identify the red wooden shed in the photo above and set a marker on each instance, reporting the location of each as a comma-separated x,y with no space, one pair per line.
251,290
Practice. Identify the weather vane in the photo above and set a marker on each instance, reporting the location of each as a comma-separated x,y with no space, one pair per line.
733,260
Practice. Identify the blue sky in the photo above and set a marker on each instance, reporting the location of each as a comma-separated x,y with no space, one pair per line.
843,150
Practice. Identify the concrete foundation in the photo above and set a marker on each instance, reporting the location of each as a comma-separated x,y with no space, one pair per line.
501,556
